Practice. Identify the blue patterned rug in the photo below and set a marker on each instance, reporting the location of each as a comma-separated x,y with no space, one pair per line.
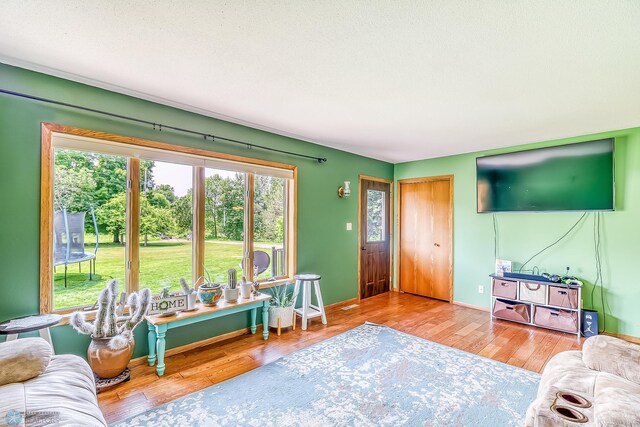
370,375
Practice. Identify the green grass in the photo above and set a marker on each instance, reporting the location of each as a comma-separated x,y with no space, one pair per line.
161,265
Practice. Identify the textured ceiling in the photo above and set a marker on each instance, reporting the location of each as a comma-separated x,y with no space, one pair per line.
393,80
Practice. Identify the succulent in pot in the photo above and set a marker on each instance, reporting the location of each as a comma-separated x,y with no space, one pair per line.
281,307
209,293
245,288
112,340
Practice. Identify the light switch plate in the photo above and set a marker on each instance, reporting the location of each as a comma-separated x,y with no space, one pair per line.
349,226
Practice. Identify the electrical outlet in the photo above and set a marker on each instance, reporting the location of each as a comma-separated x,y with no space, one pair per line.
481,289
349,226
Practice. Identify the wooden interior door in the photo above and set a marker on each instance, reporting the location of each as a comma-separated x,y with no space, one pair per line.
375,245
425,238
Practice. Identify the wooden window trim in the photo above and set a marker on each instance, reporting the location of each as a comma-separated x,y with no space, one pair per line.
247,245
197,232
133,174
132,213
46,220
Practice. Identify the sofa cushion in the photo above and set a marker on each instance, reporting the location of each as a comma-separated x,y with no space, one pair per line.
566,371
617,401
612,355
614,400
12,405
66,391
23,359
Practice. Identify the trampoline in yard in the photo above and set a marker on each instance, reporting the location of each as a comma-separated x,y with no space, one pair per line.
68,241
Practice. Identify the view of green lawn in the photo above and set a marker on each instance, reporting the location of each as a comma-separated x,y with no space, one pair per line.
95,185
162,263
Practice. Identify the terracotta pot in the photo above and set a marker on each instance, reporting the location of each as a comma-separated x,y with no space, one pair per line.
107,363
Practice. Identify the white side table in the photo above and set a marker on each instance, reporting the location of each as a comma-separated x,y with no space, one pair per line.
40,323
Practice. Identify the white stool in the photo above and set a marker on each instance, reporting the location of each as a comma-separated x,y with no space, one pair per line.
308,310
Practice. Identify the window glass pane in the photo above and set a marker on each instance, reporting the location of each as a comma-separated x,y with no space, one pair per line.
165,225
375,215
269,229
87,254
224,223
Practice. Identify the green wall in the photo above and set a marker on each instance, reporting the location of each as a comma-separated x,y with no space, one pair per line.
521,235
324,246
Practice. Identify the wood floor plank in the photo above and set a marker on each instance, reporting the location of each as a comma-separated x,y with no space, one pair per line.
461,327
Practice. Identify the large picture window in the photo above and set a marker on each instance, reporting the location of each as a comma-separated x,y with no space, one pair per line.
149,213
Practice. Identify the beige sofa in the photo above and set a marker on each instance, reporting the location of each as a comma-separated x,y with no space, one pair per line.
598,386
39,389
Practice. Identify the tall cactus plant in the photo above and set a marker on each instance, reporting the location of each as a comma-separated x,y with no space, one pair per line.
232,280
107,324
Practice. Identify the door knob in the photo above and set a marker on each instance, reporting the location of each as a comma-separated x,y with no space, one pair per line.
363,248
436,244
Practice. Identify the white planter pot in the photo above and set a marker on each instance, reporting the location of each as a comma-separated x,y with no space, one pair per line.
285,314
231,295
245,290
191,302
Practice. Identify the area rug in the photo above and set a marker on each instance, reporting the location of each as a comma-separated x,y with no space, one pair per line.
368,376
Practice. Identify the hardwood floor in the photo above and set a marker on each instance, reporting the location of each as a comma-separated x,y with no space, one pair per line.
456,326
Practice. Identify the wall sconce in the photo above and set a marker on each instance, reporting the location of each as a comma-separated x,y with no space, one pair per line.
344,192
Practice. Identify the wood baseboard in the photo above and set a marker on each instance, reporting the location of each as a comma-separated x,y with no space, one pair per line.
338,305
475,307
138,361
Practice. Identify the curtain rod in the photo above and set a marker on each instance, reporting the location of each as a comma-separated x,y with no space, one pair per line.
160,126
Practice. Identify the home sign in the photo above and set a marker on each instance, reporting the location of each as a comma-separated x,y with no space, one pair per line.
167,305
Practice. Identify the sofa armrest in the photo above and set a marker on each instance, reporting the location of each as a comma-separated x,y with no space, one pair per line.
23,359
612,355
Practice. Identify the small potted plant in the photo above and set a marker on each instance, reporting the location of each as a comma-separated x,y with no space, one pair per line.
112,341
209,293
231,290
281,308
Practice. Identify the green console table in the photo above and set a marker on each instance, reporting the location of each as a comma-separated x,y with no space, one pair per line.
159,325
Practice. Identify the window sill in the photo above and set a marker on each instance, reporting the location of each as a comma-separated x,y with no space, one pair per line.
266,284
66,315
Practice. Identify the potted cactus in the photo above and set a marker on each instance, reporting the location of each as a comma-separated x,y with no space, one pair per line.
112,341
230,291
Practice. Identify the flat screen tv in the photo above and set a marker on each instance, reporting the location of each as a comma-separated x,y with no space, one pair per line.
572,177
